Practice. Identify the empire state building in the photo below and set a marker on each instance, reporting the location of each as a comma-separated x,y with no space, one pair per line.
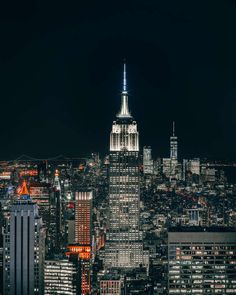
124,246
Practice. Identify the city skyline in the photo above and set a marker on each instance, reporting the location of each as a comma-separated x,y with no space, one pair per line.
61,77
170,137
117,158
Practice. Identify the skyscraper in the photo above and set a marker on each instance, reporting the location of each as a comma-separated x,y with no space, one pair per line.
170,165
124,247
24,248
202,260
174,145
55,230
83,237
83,217
147,160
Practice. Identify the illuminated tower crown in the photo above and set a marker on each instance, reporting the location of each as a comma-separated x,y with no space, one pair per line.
124,135
23,192
124,110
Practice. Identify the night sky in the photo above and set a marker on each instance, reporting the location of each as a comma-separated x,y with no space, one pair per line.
61,75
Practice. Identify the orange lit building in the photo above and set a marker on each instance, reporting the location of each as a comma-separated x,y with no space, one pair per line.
23,190
84,252
83,217
83,237
84,257
29,172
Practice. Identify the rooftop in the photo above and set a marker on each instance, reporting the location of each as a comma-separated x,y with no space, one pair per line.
201,229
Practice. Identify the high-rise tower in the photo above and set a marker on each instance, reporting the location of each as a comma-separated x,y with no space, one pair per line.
124,247
83,217
83,237
174,145
24,248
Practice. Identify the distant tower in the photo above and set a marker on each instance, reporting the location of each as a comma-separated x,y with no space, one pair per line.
24,248
124,246
174,145
147,160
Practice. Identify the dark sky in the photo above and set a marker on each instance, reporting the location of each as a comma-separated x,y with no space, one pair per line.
61,66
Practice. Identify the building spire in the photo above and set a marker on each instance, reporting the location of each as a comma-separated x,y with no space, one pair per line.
173,128
124,110
124,79
23,192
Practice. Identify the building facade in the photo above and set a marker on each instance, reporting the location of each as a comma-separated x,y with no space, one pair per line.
60,277
111,285
83,236
40,193
82,248
202,261
147,160
56,227
24,248
83,217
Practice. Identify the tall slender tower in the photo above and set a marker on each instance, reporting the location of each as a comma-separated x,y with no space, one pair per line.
124,247
174,145
55,229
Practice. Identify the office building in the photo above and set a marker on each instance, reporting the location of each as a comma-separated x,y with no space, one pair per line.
111,285
147,160
60,277
194,166
202,260
40,193
191,170
83,217
55,229
83,255
24,248
208,174
83,237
